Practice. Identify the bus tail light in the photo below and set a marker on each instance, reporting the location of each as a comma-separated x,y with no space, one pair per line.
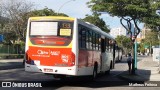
72,63
28,59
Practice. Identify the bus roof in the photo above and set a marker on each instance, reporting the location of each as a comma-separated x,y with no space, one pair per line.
51,18
95,28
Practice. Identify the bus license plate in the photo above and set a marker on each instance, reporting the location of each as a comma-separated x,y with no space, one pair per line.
48,70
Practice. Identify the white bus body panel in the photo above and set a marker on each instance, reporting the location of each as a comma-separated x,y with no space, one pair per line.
56,70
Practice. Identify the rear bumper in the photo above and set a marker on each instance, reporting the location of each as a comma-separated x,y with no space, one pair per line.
51,69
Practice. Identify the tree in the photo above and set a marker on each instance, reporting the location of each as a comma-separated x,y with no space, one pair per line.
151,39
153,21
94,19
15,10
124,42
46,12
141,47
131,11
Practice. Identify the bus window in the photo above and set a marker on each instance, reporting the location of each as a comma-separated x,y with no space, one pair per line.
110,46
107,44
79,36
99,42
57,33
94,40
82,37
89,39
103,45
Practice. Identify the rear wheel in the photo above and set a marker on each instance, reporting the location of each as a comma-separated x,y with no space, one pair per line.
107,72
94,76
110,67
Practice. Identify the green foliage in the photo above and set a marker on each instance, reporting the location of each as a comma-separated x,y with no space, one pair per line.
154,20
15,28
46,12
141,47
151,38
123,41
121,8
131,11
94,19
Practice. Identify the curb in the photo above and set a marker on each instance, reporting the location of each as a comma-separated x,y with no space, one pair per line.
11,67
132,78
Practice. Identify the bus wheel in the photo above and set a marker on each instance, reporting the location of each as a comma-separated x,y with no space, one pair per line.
111,65
94,76
107,72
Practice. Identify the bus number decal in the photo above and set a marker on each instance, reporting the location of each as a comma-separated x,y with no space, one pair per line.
55,53
64,58
65,32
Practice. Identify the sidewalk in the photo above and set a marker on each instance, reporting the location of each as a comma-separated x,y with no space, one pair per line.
11,63
147,70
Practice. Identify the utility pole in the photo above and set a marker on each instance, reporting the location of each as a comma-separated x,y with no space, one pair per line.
158,13
63,5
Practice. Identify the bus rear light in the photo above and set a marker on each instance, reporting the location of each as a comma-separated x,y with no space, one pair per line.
39,42
49,41
28,59
72,63
60,43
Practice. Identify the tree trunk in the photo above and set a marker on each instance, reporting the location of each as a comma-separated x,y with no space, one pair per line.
133,60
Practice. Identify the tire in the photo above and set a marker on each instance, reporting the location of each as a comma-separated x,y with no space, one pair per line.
94,76
107,72
111,65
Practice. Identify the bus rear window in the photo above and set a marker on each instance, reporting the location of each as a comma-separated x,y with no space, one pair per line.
51,32
48,28
44,28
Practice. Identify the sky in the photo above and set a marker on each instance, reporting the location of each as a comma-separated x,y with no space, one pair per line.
74,8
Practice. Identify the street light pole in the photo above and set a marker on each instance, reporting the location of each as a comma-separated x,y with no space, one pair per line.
158,13
159,47
63,5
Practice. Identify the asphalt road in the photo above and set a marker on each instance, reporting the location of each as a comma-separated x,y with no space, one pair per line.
103,82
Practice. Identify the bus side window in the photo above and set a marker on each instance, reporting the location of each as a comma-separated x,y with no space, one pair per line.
79,36
89,39
107,44
110,45
103,45
93,40
82,37
99,42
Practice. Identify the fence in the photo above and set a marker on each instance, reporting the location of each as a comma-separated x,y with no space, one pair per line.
11,51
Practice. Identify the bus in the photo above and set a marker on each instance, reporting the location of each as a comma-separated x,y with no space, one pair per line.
66,46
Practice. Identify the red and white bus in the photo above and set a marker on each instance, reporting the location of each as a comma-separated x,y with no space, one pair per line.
65,46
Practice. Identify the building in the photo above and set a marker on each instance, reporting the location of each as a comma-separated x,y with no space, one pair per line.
121,31
144,31
118,31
